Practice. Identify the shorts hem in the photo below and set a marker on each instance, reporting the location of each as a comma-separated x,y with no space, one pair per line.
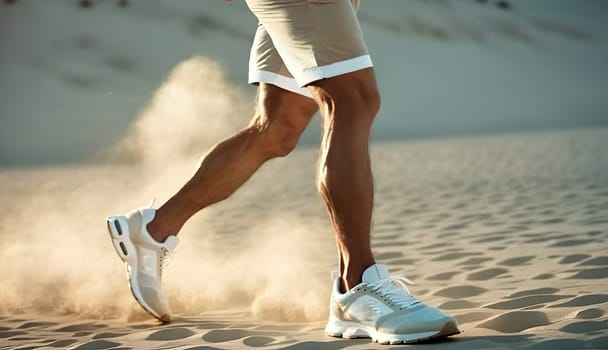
335,69
298,86
287,83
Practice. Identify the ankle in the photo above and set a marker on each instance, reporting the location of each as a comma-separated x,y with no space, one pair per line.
353,273
156,231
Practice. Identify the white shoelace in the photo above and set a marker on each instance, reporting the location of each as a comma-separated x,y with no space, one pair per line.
167,256
165,260
394,290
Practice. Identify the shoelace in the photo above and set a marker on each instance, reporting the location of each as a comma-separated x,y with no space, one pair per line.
393,290
165,260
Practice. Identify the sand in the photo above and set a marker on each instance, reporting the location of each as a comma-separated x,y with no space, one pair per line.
509,233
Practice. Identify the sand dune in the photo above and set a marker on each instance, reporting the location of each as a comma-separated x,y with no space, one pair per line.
538,65
508,233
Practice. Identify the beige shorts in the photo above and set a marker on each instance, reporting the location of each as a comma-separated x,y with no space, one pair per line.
301,41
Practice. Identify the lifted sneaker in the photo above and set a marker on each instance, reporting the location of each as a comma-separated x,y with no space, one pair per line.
381,308
144,259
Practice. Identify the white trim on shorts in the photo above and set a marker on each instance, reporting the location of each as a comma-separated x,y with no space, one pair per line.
287,83
307,77
334,69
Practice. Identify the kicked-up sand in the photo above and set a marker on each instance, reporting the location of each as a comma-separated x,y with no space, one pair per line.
508,233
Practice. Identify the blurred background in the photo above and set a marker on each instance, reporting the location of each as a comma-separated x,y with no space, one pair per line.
75,75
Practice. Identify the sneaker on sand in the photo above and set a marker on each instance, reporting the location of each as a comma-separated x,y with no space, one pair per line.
144,259
381,308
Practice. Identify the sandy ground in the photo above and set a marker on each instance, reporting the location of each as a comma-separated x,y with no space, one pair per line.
508,233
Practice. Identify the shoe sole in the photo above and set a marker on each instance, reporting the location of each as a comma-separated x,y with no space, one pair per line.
118,228
353,330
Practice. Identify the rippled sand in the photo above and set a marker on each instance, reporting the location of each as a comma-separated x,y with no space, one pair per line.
508,233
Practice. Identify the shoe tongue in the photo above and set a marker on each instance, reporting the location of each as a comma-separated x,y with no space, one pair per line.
171,242
147,215
374,273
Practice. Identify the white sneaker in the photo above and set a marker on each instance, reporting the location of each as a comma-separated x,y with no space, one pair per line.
381,308
144,259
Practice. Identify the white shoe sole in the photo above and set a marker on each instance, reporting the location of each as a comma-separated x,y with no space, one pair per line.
118,228
351,330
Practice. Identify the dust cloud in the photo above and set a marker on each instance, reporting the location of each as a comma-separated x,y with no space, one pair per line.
56,257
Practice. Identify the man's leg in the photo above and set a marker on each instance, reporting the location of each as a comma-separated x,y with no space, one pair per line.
143,237
280,118
348,103
376,304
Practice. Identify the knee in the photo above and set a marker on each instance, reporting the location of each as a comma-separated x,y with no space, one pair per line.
280,121
276,139
369,102
282,141
356,106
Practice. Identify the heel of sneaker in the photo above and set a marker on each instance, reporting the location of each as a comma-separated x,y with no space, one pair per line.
118,228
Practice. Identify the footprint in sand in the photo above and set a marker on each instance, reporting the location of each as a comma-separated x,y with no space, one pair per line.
538,291
8,333
590,314
572,242
171,334
584,300
486,274
569,259
444,276
29,325
454,256
518,261
459,292
62,343
474,261
473,316
106,335
595,273
516,321
223,335
258,341
526,301
490,239
586,327
458,304
256,338
96,344
598,261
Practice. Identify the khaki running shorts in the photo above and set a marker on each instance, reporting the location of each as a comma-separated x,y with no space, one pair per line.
301,41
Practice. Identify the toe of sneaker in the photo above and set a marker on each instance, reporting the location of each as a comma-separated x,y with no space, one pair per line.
156,303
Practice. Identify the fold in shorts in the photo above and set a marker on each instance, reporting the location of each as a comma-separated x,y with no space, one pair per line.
298,42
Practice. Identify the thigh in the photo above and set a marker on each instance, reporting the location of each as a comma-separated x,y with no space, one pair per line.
346,88
277,106
315,39
348,98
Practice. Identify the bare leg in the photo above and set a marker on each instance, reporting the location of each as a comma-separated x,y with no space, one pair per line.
280,118
348,104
